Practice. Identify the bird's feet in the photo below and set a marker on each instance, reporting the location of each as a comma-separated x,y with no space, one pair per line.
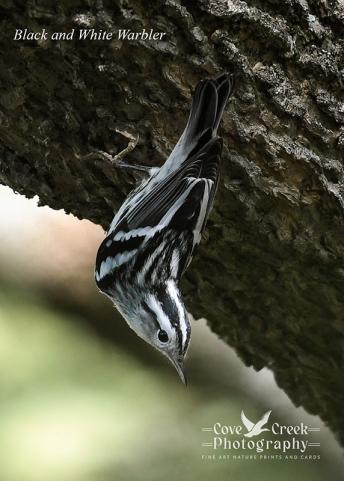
132,143
117,159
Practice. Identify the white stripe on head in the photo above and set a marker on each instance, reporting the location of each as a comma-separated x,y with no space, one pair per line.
164,321
173,292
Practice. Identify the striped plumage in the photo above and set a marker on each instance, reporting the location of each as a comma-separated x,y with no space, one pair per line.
152,238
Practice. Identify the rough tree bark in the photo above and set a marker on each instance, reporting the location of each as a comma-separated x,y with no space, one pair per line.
270,277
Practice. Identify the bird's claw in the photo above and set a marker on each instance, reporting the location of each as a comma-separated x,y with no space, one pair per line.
117,158
133,141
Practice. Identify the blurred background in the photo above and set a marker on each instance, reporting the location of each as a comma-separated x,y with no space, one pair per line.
83,399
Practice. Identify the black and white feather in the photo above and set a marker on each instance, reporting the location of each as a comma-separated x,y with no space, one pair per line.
153,236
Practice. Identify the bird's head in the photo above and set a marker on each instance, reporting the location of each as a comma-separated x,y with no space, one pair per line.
160,318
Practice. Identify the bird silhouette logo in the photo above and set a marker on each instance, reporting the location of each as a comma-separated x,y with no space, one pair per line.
254,429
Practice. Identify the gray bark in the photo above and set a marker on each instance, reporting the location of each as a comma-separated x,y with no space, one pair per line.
270,276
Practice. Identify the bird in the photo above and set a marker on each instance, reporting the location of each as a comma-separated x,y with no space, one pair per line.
153,236
254,429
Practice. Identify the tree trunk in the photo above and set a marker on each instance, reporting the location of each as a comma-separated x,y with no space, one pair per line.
270,276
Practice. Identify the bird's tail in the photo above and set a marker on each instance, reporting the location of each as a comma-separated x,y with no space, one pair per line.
208,103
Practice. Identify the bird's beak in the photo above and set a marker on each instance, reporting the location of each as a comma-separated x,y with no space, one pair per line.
179,365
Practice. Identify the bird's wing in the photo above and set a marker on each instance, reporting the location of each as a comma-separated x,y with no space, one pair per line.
246,422
180,194
180,202
264,420
165,198
193,152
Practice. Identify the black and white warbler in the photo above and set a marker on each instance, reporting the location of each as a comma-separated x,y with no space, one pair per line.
153,236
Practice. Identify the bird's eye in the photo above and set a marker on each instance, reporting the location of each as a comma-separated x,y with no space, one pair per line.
162,335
